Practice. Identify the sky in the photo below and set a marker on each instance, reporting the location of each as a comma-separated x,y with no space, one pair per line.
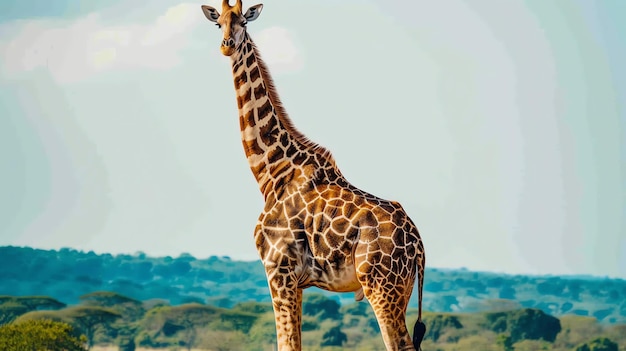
500,126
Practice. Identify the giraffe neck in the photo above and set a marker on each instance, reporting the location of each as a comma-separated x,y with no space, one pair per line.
278,154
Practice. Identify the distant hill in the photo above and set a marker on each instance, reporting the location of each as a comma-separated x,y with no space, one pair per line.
67,274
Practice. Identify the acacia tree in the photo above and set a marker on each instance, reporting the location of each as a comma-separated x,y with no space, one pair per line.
189,318
130,310
12,307
39,302
89,318
10,310
162,325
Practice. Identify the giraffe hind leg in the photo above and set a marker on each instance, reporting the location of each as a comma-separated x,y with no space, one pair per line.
390,310
388,293
387,277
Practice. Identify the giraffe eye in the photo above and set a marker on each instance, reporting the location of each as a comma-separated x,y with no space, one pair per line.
218,25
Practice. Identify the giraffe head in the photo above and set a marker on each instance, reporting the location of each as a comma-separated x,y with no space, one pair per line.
232,21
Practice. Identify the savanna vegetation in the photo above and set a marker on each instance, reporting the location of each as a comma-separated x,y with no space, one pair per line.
67,274
109,318
82,299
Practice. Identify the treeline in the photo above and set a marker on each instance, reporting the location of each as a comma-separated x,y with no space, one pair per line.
109,318
67,274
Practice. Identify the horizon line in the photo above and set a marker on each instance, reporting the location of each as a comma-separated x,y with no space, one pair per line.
138,253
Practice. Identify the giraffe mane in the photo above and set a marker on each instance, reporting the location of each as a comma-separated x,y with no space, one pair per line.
282,113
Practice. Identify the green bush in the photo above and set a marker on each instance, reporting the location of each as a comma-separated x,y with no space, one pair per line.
40,335
598,344
334,337
438,324
320,306
528,323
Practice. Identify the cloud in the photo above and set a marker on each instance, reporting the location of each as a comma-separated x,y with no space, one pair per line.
173,25
76,50
279,51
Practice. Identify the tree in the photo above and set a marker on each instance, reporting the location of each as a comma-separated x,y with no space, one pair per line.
598,344
165,323
12,307
334,337
534,324
319,305
438,324
527,323
188,318
39,302
89,319
10,310
40,335
106,299
129,308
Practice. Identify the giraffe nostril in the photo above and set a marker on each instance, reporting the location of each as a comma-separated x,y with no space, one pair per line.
228,42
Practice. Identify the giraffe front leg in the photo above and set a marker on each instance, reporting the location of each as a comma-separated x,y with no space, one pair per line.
281,252
287,303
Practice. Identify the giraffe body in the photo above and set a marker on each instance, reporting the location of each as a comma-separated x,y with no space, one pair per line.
316,229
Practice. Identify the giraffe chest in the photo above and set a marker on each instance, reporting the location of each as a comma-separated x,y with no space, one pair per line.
325,223
318,235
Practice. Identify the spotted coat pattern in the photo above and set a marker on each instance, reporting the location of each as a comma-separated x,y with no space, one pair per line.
317,229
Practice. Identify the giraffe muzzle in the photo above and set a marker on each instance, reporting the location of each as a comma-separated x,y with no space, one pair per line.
228,46
228,42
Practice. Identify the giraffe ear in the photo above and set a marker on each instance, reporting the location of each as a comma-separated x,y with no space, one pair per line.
210,13
253,12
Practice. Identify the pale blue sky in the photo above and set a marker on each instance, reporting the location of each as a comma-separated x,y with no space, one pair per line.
499,125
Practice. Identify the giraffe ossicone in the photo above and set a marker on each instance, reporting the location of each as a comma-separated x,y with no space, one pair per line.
316,228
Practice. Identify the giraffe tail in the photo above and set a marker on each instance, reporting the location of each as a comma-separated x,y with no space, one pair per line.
419,329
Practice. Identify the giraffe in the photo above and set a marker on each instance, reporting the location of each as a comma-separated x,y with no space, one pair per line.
316,229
